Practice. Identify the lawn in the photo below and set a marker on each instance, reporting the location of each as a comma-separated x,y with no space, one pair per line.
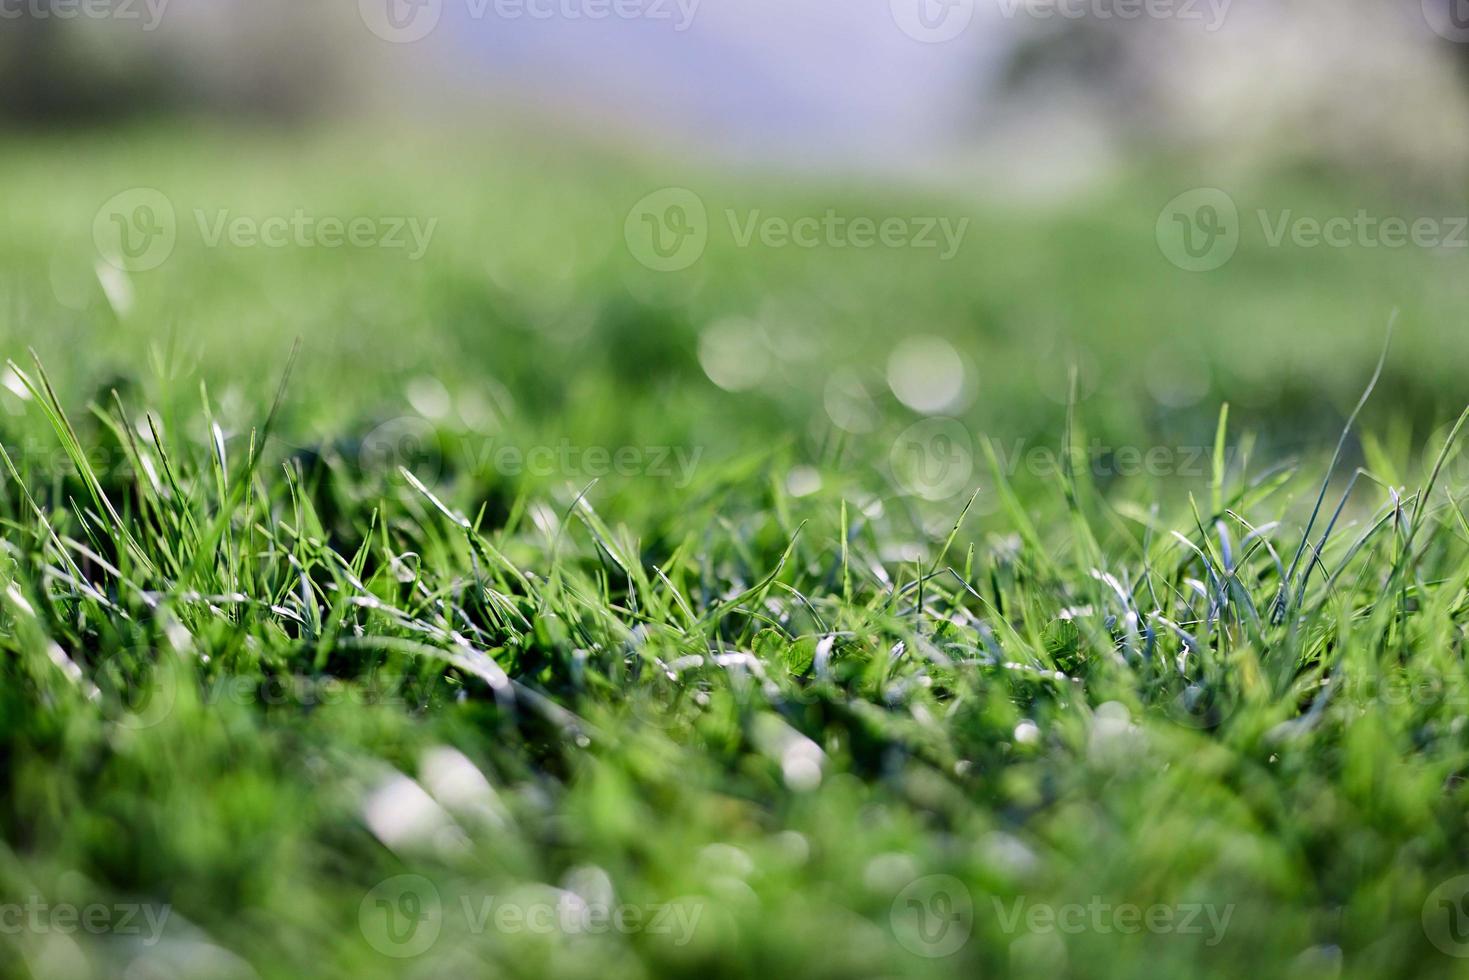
401,577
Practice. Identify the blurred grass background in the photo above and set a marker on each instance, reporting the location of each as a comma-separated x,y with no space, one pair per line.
530,323
529,306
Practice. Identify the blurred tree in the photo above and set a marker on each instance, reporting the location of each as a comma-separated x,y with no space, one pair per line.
1344,87
50,74
270,58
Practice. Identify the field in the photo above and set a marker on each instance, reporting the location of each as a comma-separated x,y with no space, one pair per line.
470,598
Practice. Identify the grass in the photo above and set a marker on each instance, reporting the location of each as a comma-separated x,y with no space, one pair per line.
303,668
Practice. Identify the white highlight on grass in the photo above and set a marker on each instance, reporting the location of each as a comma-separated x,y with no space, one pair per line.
801,760
887,873
1114,739
55,954
117,287
11,382
429,397
458,784
546,520
926,374
848,403
591,885
802,770
12,591
1008,854
478,412
802,481
726,859
794,846
405,818
733,354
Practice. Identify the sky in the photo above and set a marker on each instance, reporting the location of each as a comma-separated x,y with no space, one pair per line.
805,82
